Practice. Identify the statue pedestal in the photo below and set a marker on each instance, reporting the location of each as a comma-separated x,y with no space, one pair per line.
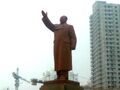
61,85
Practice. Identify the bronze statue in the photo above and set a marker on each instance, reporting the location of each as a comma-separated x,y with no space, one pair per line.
64,42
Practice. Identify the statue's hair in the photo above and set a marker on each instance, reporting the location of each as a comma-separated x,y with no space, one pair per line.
65,17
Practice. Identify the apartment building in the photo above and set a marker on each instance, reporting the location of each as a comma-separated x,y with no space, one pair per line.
105,46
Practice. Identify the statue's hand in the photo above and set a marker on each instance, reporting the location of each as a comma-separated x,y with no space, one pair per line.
43,13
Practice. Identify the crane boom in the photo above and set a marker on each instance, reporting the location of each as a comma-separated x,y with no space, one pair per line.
24,80
19,77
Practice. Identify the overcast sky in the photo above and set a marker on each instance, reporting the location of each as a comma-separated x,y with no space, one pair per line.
26,43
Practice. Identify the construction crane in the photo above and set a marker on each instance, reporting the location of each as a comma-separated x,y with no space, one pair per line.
17,78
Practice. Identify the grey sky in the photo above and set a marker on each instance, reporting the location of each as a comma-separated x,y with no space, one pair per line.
26,43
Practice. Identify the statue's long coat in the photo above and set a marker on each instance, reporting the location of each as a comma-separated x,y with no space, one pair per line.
64,42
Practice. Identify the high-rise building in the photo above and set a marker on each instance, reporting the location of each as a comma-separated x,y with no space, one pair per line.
105,46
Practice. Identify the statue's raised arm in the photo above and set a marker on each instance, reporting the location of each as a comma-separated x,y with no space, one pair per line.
47,22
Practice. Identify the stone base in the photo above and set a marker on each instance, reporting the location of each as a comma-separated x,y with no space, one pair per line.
61,85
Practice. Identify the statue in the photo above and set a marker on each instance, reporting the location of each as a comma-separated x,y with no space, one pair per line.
64,42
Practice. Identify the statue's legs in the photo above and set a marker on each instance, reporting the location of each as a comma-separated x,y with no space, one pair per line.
62,74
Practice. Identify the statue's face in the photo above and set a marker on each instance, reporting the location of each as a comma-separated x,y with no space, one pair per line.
63,19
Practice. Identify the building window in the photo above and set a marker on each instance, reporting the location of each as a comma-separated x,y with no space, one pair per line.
118,56
118,47
117,31
118,51
116,22
117,39
116,26
117,34
117,43
115,10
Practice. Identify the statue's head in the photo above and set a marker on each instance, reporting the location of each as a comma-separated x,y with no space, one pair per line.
63,19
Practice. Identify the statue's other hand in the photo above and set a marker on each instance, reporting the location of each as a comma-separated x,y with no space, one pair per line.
43,13
73,48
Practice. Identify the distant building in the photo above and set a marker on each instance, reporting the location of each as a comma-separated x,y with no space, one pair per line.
87,88
105,46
